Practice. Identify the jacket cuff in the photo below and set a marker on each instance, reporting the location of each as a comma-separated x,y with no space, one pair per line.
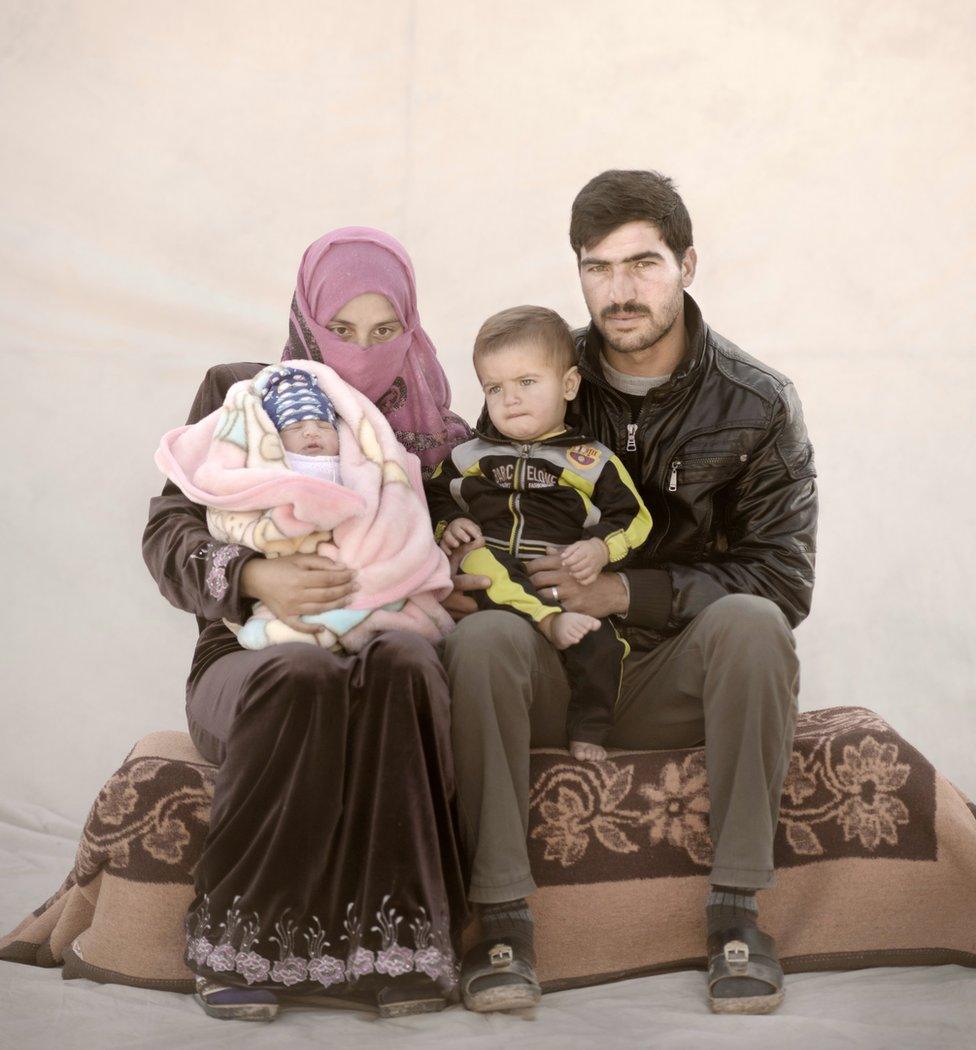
651,596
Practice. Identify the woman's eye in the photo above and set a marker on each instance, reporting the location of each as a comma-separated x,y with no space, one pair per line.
341,331
492,390
526,382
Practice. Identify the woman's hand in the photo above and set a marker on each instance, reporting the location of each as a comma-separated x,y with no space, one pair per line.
606,596
298,585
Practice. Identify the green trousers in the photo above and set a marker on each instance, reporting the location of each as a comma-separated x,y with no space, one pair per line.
729,680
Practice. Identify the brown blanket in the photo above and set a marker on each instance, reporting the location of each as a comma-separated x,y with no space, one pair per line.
875,856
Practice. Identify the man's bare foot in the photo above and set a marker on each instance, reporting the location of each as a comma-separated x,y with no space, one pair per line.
587,752
568,628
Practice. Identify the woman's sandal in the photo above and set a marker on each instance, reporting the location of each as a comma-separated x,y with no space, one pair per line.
504,970
411,994
233,1003
738,952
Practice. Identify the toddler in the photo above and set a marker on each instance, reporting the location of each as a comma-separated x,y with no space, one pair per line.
527,483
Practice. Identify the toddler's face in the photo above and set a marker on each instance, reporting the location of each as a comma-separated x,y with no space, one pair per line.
311,437
525,391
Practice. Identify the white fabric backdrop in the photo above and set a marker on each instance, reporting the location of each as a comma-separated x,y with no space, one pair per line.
164,166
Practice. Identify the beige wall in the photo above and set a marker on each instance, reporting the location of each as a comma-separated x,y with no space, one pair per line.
164,166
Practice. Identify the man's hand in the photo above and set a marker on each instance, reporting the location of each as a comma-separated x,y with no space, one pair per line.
585,559
459,603
461,532
606,596
298,585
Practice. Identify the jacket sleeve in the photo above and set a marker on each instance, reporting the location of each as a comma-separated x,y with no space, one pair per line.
441,503
769,520
625,523
194,571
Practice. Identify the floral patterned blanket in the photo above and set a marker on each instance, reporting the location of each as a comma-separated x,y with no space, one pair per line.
868,830
853,789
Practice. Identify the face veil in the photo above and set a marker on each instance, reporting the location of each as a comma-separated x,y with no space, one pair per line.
402,376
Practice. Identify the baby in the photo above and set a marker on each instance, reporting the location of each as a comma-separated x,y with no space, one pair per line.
528,483
306,422
267,468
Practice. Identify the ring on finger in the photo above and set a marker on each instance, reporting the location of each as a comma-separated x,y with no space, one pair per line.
555,594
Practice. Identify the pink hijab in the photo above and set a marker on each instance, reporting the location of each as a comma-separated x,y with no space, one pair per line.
402,377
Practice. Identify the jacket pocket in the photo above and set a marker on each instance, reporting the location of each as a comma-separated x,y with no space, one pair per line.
797,457
695,479
704,468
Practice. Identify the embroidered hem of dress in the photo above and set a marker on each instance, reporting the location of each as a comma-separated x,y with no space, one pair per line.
431,954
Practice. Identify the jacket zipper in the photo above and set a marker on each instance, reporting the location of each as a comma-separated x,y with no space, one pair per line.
516,500
615,407
677,464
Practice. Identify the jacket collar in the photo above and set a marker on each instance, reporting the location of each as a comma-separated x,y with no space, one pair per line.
487,432
591,350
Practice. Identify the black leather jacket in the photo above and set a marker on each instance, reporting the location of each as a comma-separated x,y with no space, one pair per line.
721,457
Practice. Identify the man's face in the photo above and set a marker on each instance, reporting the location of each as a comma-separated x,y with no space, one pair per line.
633,285
311,437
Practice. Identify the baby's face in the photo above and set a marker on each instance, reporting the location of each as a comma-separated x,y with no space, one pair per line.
526,393
311,437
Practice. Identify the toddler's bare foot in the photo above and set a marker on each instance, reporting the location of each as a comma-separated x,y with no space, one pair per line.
587,752
568,628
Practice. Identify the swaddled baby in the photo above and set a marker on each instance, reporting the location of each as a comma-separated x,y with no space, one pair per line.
269,469
306,421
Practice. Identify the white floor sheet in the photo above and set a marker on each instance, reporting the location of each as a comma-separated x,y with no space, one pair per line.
896,1009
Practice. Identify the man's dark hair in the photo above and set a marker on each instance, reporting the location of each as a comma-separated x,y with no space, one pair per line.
535,324
615,197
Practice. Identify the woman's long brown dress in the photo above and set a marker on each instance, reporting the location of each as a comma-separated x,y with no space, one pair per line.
331,860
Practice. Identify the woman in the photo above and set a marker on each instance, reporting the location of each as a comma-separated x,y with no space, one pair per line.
331,862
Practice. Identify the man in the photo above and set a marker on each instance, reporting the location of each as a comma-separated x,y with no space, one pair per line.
716,443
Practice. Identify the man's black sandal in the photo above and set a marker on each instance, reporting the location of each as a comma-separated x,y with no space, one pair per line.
743,951
499,974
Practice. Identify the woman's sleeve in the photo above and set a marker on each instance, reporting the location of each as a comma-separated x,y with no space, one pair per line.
194,571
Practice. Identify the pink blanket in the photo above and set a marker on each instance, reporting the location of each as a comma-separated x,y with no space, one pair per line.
376,521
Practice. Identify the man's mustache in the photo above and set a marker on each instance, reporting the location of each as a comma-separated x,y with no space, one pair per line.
632,307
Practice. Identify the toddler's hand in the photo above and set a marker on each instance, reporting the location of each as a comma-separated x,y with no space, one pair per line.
458,532
585,558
